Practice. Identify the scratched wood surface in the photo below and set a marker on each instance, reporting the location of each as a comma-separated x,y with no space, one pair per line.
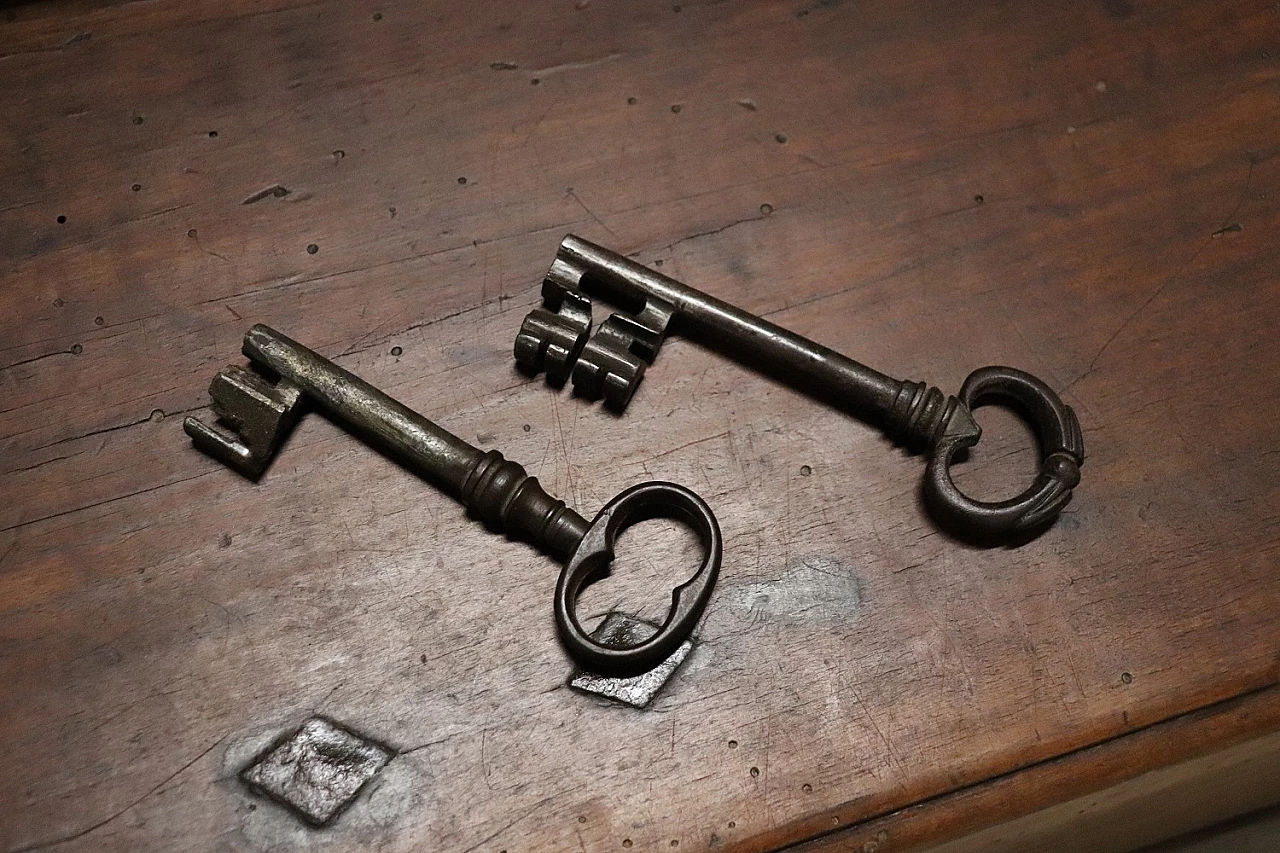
1086,190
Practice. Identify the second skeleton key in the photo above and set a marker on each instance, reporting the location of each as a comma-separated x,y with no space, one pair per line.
610,364
497,490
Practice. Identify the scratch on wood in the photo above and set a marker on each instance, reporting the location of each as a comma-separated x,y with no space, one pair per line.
542,73
105,501
56,842
273,191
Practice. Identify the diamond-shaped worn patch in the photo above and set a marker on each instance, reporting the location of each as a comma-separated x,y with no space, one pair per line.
619,629
318,770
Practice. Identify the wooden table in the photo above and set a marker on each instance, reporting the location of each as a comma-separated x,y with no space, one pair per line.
1088,191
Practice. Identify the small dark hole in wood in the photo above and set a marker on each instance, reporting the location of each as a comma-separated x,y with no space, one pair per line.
535,81
733,744
76,349
377,16
213,134
462,181
675,108
157,415
62,220
137,119
312,249
755,771
805,470
396,351
781,138
1126,677
633,101
526,427
98,321
191,233
58,303
136,187
766,209
807,788
977,199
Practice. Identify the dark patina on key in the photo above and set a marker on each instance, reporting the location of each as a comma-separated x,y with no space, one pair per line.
611,364
493,488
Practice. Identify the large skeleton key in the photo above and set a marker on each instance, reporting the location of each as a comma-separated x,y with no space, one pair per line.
495,489
612,362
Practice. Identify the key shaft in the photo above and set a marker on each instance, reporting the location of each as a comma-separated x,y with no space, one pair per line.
500,492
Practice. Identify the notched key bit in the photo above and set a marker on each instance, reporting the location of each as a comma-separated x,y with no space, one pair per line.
611,364
261,414
551,337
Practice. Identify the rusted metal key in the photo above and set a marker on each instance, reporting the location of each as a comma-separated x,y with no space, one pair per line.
557,338
495,489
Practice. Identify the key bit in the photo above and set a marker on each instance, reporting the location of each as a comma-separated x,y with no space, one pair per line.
261,413
613,361
551,337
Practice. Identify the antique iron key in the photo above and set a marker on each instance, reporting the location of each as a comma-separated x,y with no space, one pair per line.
495,489
557,338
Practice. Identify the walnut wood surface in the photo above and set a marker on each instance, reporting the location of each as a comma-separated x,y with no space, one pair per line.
1084,190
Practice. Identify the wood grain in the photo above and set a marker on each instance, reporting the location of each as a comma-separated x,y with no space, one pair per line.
1086,191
